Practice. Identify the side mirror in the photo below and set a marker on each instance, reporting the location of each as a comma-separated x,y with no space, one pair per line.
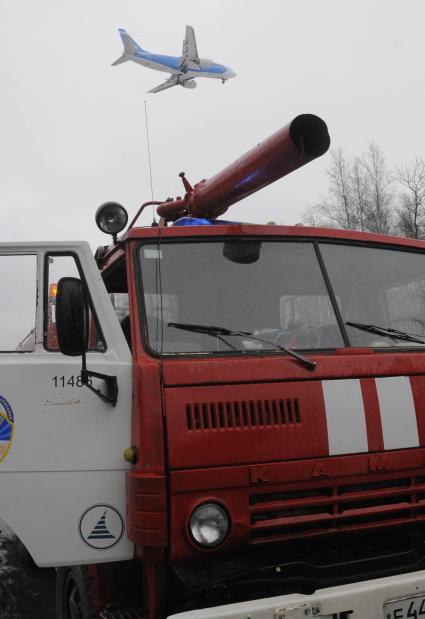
71,313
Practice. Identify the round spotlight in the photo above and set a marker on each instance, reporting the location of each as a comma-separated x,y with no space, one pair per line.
209,525
111,218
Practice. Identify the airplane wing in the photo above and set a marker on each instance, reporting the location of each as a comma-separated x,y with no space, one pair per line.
190,49
172,81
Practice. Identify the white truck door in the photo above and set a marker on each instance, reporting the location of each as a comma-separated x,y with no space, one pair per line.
62,472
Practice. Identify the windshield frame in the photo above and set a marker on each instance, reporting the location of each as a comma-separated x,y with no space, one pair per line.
315,242
273,351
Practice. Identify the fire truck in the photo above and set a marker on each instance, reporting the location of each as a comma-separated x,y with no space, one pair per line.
213,419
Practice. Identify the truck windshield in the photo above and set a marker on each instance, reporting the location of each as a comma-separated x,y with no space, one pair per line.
273,290
381,294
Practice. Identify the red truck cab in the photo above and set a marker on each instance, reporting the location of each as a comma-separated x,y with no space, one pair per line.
257,473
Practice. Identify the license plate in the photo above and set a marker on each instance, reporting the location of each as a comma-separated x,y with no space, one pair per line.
406,608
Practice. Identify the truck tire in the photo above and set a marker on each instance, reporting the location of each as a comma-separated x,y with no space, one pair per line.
73,593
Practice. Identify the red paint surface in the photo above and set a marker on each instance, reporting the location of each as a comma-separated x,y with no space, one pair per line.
180,467
326,502
252,430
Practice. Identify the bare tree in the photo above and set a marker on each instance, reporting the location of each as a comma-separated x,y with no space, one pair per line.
311,217
411,213
336,210
380,190
360,194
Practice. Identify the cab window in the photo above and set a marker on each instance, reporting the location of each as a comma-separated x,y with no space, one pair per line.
18,285
379,289
262,294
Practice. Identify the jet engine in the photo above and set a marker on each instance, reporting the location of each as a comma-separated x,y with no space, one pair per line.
205,63
189,84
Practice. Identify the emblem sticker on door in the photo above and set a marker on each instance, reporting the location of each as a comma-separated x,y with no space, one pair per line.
7,423
101,526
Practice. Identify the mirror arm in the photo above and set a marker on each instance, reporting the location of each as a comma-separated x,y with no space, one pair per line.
111,396
111,382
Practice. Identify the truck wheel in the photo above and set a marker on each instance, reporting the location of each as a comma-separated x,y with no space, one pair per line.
73,593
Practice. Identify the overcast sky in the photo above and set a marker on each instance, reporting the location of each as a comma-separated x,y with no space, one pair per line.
73,127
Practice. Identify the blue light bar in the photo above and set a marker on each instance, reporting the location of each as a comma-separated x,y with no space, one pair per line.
200,221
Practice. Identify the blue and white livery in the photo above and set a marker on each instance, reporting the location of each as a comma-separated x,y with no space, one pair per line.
184,69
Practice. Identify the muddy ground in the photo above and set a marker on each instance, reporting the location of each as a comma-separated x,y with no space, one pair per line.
26,592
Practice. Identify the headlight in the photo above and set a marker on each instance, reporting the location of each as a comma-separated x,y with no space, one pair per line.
111,217
209,525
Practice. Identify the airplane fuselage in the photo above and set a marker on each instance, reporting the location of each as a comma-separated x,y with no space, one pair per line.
172,64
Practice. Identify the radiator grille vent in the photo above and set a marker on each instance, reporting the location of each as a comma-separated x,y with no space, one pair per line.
242,414
318,510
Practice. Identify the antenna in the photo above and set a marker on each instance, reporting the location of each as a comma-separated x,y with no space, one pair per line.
149,158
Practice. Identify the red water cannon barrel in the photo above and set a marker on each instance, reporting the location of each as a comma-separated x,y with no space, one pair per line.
303,140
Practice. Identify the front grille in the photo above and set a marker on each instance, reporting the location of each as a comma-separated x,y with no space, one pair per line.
229,415
322,509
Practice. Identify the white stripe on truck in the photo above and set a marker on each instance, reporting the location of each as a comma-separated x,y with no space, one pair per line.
345,416
398,417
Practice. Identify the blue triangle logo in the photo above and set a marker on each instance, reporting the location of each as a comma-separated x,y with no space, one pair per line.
100,530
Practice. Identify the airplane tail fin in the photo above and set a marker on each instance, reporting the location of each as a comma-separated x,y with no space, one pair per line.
130,48
130,45
120,60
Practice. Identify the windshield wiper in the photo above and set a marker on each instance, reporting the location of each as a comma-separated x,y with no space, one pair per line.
385,332
219,332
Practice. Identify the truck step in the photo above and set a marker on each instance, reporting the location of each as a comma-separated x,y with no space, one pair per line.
132,612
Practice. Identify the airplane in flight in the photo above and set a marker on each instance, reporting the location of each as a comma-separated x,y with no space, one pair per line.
184,69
